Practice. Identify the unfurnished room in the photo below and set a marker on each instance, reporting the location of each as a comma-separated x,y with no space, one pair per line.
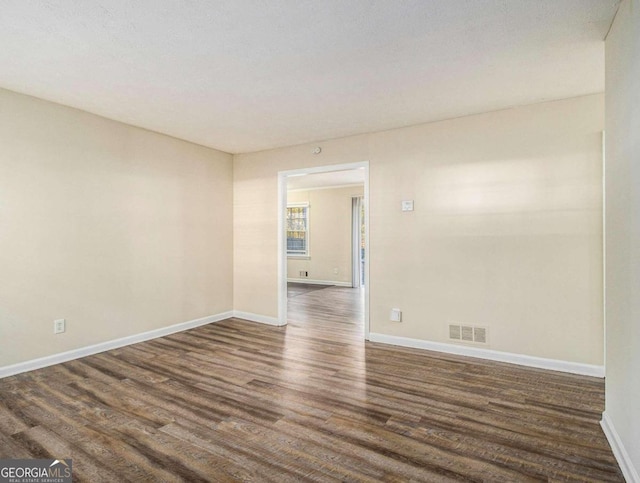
320,240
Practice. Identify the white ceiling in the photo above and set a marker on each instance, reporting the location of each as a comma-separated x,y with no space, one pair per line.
247,75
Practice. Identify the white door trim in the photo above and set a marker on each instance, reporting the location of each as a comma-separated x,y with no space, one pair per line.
355,242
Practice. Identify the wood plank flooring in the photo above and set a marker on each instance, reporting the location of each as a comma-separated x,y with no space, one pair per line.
308,402
295,289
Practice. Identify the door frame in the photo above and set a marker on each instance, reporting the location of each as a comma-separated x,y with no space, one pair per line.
356,241
282,256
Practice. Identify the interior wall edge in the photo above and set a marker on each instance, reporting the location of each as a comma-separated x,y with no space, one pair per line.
619,451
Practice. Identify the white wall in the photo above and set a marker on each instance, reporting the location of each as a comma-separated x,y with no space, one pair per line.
330,213
506,231
622,200
116,229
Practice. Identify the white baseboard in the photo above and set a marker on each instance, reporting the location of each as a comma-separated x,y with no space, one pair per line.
263,319
624,460
520,359
311,281
109,345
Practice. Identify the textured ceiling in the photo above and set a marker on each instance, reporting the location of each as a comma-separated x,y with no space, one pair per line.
247,75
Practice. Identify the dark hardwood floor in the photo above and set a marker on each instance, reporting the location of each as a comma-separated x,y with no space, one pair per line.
311,401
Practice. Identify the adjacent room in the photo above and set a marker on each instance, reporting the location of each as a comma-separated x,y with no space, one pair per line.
326,246
320,240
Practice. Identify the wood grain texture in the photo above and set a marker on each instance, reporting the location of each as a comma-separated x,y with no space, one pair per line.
308,402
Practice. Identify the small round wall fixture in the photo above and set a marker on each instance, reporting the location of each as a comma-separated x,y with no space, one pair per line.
317,150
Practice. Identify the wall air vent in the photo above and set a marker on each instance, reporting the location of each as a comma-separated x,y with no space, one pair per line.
480,335
468,333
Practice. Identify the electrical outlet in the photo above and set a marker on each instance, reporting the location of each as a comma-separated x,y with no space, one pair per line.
396,315
59,326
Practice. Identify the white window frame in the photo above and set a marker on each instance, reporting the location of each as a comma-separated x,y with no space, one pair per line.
300,255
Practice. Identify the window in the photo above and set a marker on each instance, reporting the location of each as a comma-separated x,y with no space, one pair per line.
298,229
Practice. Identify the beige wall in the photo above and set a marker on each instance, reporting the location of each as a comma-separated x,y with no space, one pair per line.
116,229
622,200
506,230
121,231
329,236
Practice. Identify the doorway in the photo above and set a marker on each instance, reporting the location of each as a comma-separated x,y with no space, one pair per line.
296,213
